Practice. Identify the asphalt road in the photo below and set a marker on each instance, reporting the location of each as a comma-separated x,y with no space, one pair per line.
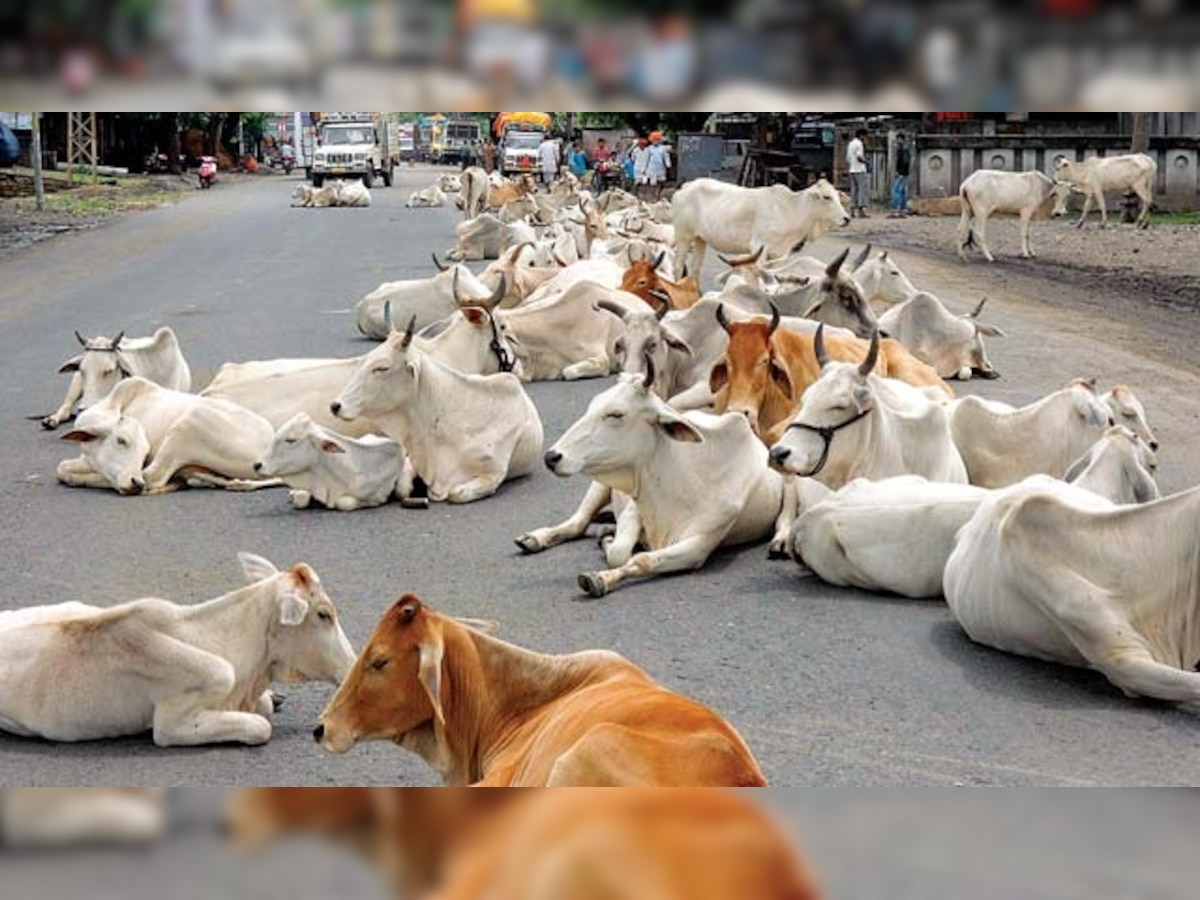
829,686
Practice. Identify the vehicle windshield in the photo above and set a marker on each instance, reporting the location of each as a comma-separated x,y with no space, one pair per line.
347,136
523,140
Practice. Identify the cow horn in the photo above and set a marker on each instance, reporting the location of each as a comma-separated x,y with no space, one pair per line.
872,355
387,315
441,266
516,251
721,320
664,303
861,258
116,342
454,287
79,337
629,253
774,318
832,269
658,260
649,380
799,245
978,309
408,332
819,346
497,295
614,308
734,261
683,273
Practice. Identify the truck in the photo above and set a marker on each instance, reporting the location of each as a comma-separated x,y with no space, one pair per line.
406,142
460,137
355,145
519,134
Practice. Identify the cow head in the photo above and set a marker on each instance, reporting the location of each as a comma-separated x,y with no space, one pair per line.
1126,454
1061,190
642,278
101,365
647,343
619,431
115,446
305,641
474,339
395,689
386,379
824,208
838,301
1092,411
1127,410
881,280
825,433
751,369
298,446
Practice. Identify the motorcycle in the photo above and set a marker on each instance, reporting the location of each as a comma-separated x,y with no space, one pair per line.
208,171
160,163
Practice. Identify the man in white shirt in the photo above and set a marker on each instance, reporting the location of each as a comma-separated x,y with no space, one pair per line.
548,160
856,162
641,164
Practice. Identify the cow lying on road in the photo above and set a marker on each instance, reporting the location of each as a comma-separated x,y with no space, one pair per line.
487,713
192,674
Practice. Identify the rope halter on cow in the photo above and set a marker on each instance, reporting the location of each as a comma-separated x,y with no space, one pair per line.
826,432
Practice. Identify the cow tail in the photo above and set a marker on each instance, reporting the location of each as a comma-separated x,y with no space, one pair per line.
968,211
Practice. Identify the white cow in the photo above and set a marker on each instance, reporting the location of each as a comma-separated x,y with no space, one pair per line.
951,344
192,674
1001,445
896,534
44,818
332,470
473,191
853,424
427,198
429,299
104,362
1051,571
464,434
1115,174
988,191
687,484
484,237
351,193
882,282
307,196
735,219
146,438
1127,410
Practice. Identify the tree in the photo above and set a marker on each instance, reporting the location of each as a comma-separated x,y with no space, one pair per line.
643,123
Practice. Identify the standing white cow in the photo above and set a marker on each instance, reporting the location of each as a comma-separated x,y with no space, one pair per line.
951,344
333,470
1001,445
1115,174
146,438
465,434
1051,571
192,674
689,483
986,192
853,424
104,362
472,193
735,219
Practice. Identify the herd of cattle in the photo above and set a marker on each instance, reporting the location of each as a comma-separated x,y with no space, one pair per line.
802,402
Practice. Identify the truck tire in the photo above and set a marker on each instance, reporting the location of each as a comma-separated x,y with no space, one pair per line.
318,180
388,175
368,178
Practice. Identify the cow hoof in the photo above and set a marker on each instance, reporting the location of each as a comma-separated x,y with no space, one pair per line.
49,423
988,374
277,701
529,544
777,551
592,584
415,503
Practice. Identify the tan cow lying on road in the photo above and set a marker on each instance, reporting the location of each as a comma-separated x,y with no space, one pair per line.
484,712
194,674
438,844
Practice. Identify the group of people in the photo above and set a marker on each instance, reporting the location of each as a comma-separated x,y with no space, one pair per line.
860,176
646,165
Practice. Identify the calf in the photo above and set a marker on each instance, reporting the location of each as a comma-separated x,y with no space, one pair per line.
853,424
643,280
988,191
104,362
1116,174
428,198
193,675
694,482
332,470
952,344
490,714
146,438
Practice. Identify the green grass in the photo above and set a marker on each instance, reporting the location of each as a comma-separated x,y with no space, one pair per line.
1177,218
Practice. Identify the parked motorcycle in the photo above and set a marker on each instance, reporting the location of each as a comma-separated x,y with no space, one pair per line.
208,171
160,163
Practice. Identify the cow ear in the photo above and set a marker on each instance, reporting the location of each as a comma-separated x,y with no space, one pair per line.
80,436
430,672
718,377
256,568
71,365
473,314
292,607
1077,468
677,343
989,330
781,377
678,428
332,446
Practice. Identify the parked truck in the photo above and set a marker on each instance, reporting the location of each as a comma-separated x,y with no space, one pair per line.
519,134
461,137
356,145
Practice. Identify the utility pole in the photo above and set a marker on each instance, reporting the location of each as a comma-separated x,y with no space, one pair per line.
39,188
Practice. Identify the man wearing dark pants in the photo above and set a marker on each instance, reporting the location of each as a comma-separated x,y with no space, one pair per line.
900,184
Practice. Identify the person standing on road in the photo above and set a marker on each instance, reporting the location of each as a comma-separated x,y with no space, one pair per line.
658,163
640,156
900,182
856,162
549,160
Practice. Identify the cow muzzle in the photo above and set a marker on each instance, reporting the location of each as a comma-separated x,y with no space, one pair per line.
134,487
552,460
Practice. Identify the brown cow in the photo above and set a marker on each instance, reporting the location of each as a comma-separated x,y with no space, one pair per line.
765,371
498,195
437,844
488,713
642,279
